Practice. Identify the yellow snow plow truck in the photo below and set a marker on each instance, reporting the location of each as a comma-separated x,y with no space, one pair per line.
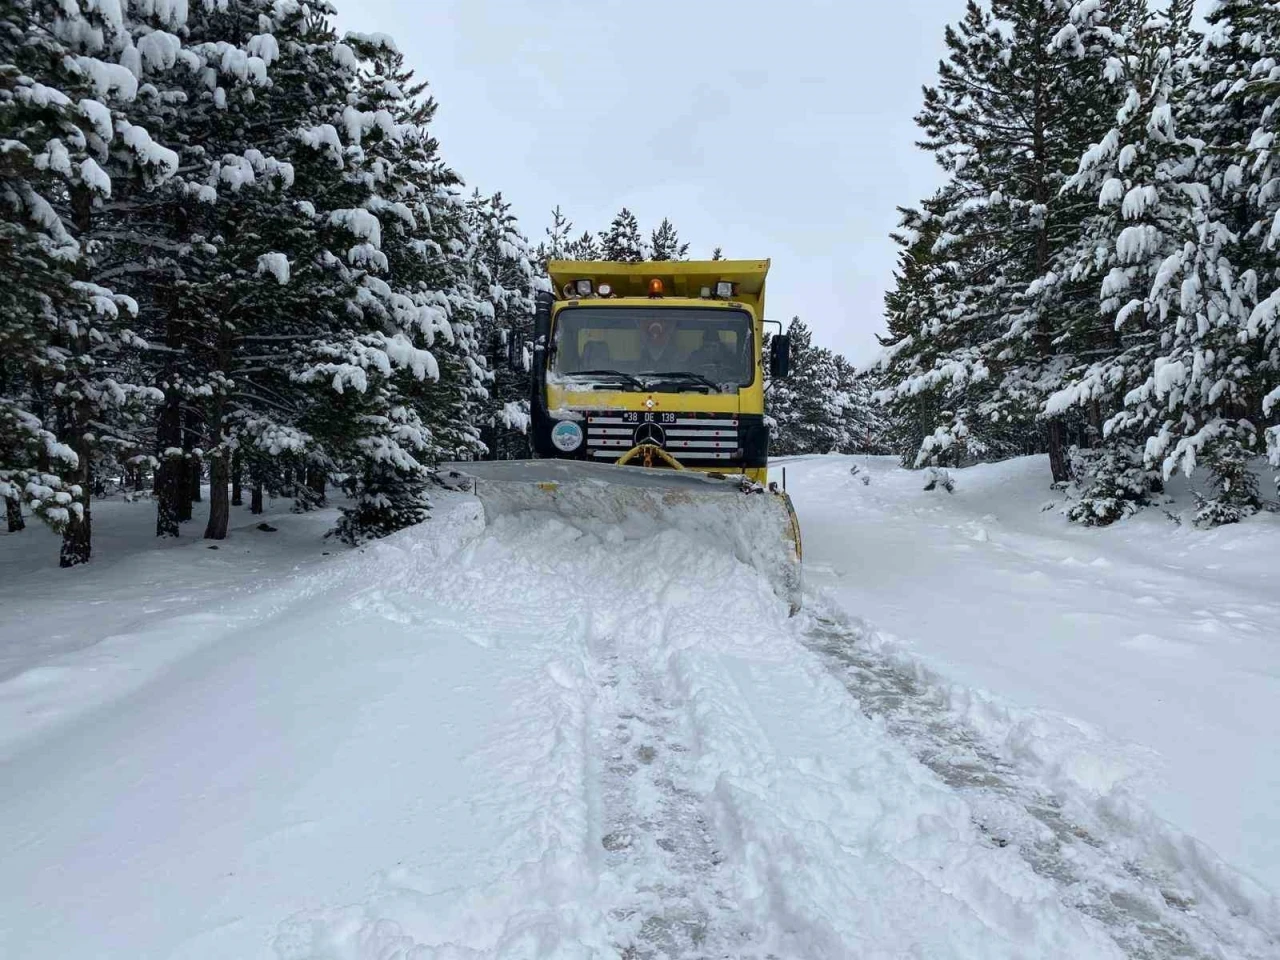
647,407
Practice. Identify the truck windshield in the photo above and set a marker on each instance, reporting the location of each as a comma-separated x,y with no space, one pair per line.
697,349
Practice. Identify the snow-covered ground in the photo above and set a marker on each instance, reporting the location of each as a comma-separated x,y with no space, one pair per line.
69,639
529,740
1163,639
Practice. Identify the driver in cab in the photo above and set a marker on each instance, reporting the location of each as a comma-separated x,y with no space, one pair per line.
659,352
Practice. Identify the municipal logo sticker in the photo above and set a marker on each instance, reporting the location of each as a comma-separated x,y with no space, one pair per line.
566,436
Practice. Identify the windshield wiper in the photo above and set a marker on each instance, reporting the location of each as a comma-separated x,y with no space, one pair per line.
617,374
686,375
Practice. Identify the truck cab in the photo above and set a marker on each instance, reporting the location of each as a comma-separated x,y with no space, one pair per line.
656,364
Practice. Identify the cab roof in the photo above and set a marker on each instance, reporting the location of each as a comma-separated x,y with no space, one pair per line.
680,278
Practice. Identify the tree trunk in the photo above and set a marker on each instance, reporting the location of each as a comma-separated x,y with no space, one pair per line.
219,506
489,437
182,482
191,467
1095,424
237,479
255,502
182,487
13,511
219,474
168,490
197,474
77,536
1058,464
316,481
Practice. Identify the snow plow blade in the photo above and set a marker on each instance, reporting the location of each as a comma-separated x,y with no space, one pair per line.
757,525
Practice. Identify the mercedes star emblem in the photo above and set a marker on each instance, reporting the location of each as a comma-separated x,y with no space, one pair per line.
650,433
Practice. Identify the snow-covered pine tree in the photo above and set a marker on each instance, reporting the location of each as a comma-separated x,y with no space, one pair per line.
559,239
465,376
622,242
1118,250
1213,412
304,266
585,247
1052,325
556,245
1241,126
37,109
862,423
1176,379
66,74
1018,99
809,410
411,417
664,243
282,334
911,343
505,280
201,255
404,293
218,290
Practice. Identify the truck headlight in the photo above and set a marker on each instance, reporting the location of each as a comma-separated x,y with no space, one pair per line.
566,436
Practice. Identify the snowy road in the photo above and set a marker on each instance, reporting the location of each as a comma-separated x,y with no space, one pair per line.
524,741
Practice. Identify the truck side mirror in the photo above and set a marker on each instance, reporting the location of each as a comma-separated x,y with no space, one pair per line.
780,356
542,304
542,321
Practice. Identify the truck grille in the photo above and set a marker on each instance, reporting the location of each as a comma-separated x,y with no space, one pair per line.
694,439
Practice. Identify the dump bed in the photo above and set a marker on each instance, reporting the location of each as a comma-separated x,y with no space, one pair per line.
680,278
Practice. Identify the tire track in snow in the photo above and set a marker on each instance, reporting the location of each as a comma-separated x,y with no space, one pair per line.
656,827
1149,913
730,800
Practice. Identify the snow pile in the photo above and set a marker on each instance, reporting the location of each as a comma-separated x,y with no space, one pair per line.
621,503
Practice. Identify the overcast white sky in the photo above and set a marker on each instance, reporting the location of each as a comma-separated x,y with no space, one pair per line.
773,129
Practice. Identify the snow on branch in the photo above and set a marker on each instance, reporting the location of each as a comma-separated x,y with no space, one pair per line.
348,365
360,223
276,264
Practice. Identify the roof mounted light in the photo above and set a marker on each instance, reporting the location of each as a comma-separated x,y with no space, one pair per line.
655,287
567,290
705,293
724,289
583,287
606,290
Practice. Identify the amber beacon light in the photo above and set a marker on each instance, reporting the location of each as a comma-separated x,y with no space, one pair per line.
655,287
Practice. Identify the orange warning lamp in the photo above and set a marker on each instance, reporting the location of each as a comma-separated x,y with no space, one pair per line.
655,287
